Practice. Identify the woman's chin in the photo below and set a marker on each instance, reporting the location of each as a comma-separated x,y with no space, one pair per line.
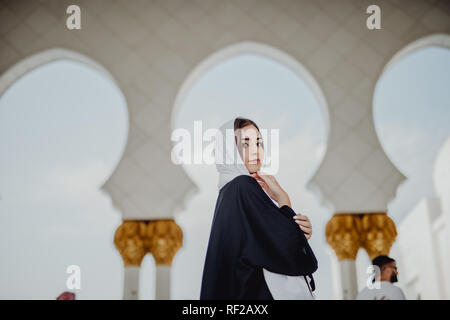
253,168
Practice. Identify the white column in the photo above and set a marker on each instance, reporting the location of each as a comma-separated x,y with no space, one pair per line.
342,234
167,238
447,251
447,247
335,276
162,287
130,240
131,283
349,283
441,177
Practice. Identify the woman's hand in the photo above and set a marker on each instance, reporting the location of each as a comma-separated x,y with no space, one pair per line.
304,224
273,189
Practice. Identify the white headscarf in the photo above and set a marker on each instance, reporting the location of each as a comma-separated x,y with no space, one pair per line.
229,163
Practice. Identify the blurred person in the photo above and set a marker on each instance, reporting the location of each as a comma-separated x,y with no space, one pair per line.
66,295
382,285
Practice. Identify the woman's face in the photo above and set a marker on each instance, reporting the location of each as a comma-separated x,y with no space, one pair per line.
250,146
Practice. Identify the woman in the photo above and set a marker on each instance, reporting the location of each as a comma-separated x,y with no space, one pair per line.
255,249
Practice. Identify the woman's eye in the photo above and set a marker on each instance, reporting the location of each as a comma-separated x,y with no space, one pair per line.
259,144
245,144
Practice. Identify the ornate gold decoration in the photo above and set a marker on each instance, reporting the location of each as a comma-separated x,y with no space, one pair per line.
342,234
378,234
167,238
134,239
347,232
129,240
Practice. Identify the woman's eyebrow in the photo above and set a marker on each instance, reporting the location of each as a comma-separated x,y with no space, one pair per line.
247,138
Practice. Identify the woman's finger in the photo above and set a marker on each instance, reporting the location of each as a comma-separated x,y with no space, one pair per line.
264,185
261,182
257,177
297,218
270,180
304,223
307,234
306,229
309,227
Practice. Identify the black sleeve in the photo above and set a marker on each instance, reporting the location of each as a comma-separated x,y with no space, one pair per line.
273,240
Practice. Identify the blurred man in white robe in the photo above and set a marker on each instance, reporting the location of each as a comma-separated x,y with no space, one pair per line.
383,287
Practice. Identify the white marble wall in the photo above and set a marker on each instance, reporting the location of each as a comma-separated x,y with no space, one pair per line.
150,47
420,248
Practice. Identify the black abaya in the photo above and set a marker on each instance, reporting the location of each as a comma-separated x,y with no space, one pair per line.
249,232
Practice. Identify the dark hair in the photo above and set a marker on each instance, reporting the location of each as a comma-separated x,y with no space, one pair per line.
380,261
240,123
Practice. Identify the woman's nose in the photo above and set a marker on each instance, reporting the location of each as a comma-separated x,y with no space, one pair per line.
253,150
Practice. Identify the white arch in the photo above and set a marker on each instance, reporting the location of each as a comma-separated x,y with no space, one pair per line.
21,68
270,52
36,60
439,39
259,49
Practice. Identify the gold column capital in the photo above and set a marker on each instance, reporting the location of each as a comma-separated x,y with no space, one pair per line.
129,239
167,238
134,239
347,232
342,234
378,234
